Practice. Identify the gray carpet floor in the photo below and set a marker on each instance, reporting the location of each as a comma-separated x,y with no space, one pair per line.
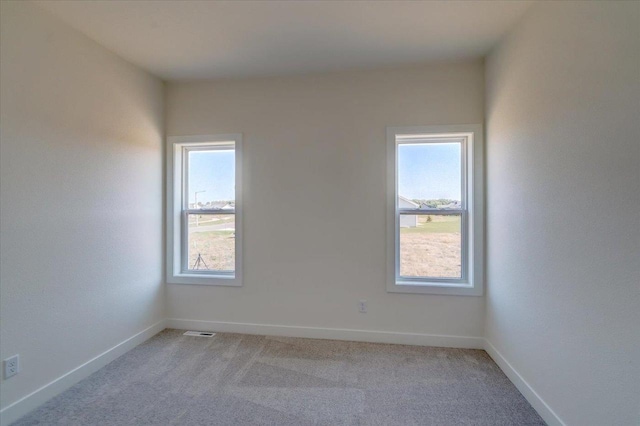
233,379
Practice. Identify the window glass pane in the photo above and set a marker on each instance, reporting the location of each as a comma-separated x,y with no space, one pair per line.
211,242
430,246
211,180
430,175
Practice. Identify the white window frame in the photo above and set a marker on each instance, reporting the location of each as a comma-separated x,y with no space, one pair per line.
472,213
178,208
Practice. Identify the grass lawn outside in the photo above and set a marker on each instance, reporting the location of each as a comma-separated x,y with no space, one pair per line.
215,246
432,249
217,249
210,219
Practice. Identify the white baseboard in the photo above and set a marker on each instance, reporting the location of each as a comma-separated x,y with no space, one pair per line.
22,406
547,414
330,333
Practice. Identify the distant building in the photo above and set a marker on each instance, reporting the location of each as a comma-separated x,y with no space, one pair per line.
407,220
214,205
454,205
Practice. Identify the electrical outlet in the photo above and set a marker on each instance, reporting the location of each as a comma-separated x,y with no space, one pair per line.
11,366
362,306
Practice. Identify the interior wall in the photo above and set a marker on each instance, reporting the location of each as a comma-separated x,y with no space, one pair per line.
81,189
563,173
314,194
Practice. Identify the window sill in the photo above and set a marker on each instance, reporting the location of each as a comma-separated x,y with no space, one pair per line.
201,279
433,288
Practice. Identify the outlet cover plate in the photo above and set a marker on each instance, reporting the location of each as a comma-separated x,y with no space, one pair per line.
11,366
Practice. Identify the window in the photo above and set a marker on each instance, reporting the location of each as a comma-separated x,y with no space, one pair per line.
435,210
204,235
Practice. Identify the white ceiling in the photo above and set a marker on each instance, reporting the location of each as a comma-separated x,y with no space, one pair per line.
176,39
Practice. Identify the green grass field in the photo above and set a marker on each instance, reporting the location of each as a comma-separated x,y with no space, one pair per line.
209,234
438,225
205,220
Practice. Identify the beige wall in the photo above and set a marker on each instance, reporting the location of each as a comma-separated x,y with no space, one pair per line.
563,172
81,189
314,182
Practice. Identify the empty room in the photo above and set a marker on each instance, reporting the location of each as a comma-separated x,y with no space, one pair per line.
319,212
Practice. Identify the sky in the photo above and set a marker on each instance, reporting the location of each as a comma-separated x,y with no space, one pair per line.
429,171
425,171
214,173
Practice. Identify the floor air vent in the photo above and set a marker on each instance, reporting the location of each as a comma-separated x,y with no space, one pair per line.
199,334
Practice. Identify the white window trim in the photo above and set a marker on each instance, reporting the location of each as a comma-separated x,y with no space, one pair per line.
473,278
175,234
